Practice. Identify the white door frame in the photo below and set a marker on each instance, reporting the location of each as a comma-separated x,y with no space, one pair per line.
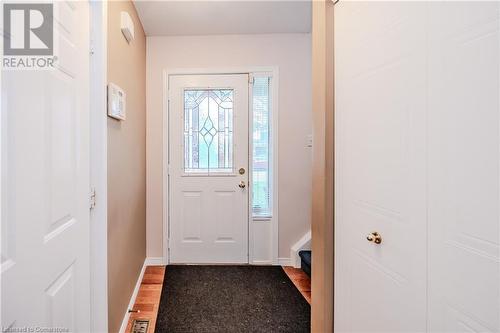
98,167
274,72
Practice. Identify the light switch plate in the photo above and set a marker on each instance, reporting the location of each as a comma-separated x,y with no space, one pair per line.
117,102
309,141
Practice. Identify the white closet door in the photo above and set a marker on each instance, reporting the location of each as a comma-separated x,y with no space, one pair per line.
463,166
380,167
417,152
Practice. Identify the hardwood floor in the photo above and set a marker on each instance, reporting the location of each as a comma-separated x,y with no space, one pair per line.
148,298
301,280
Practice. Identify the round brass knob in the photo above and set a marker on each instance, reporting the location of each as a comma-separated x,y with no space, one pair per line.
374,237
242,184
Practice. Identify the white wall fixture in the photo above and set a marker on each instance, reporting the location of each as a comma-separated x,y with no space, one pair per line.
127,26
116,102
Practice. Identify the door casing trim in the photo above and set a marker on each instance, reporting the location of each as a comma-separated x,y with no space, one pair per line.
255,71
98,244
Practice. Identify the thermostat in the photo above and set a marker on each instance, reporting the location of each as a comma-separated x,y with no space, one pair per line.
116,102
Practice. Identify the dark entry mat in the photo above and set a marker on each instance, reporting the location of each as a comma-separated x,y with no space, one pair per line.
231,299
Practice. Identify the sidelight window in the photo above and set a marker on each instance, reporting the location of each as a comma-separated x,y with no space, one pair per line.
261,168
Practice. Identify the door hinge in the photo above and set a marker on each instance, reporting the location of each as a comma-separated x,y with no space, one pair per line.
251,79
92,198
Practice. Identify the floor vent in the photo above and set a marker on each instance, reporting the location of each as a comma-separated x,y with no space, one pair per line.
140,326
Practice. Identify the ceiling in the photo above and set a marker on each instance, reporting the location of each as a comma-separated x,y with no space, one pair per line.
212,17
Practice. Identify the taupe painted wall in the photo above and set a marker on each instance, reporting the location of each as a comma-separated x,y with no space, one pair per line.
126,164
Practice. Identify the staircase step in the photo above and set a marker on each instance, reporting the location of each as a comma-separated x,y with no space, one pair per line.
305,255
305,261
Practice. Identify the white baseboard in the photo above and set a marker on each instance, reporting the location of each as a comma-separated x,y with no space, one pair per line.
261,262
284,261
133,297
155,261
303,244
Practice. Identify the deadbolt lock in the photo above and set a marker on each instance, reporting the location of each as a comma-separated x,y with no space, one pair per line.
241,171
374,237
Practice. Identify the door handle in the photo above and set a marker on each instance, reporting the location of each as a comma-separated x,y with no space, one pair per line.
242,184
374,237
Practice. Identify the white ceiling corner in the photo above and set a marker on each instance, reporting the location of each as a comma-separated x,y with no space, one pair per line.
215,17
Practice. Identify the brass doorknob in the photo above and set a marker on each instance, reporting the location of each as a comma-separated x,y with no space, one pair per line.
374,237
242,184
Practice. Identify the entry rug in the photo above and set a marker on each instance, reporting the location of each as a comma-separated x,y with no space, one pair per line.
231,299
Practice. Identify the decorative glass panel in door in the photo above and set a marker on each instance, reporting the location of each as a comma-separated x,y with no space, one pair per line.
208,131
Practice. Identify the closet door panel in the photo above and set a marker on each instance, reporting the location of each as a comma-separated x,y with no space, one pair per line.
463,166
380,167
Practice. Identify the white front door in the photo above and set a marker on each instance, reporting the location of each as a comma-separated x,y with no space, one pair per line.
45,185
208,168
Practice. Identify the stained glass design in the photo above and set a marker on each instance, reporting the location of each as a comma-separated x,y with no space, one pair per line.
208,131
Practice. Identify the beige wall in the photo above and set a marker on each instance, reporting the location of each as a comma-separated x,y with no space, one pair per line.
126,164
292,54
